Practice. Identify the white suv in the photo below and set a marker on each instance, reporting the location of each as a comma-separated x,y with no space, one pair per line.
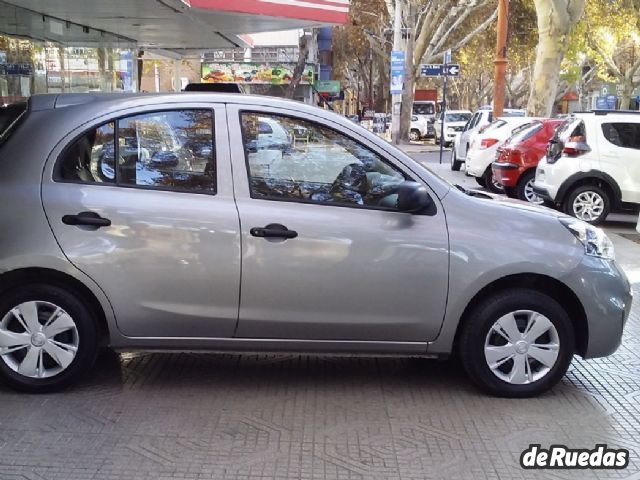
593,165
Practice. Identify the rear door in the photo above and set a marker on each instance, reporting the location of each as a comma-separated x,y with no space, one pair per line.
157,229
619,146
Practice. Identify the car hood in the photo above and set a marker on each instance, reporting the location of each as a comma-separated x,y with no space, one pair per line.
519,205
455,124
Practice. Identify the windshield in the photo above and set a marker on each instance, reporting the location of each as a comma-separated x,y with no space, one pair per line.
523,132
457,117
423,109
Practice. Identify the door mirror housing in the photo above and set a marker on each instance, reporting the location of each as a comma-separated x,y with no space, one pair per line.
413,197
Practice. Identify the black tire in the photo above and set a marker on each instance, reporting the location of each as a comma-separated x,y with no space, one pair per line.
87,330
414,135
481,181
455,163
489,184
568,203
480,320
511,192
524,179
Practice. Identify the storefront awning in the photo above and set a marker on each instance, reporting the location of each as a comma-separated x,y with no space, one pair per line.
163,24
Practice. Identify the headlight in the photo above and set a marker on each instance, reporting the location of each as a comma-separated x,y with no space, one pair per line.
595,241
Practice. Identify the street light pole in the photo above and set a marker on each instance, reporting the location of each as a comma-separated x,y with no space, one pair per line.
501,59
396,99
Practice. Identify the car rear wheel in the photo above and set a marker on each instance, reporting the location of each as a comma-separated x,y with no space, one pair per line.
490,183
455,163
510,192
48,338
589,203
414,135
525,188
517,343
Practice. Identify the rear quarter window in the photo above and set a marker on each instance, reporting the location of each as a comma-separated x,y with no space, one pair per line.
9,119
622,134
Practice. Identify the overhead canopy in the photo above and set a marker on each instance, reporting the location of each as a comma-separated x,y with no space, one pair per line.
165,24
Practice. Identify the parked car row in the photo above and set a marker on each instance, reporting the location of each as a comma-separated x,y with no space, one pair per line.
586,164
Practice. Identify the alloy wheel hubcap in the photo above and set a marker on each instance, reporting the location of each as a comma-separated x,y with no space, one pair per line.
530,195
38,339
588,206
521,347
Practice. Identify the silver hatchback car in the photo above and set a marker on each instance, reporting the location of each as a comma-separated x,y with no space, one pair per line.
239,223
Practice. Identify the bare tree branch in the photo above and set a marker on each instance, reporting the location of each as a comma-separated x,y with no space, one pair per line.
469,37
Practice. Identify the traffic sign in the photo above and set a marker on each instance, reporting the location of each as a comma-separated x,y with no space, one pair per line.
439,70
452,70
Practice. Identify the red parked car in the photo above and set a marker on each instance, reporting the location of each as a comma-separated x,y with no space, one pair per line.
516,160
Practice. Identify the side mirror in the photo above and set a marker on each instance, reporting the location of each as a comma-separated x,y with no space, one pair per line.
165,159
412,197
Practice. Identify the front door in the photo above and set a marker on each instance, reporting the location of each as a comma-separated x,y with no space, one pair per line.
157,229
325,254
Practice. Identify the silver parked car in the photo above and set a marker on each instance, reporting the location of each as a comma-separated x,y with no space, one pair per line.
162,221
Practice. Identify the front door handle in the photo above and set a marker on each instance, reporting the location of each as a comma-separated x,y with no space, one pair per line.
89,219
273,230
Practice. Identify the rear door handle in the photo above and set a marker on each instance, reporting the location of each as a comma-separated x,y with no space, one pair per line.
273,230
90,219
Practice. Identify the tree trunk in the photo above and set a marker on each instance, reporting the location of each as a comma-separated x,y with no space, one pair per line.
299,69
627,92
406,108
555,20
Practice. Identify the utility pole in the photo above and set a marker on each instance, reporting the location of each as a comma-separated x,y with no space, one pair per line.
443,112
501,59
396,99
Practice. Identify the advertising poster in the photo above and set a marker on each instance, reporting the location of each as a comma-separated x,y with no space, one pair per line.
254,73
397,71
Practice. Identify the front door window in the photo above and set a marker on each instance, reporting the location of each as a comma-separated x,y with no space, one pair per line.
295,160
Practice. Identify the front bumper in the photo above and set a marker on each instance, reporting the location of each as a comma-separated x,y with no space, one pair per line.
605,294
450,136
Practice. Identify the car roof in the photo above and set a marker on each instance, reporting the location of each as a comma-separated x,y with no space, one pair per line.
49,101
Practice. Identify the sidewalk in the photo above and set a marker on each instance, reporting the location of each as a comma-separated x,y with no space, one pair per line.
419,147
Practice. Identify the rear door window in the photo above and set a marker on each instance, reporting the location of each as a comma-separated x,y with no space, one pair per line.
169,150
622,134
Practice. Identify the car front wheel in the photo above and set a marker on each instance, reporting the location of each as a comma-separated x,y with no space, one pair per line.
414,135
517,343
48,338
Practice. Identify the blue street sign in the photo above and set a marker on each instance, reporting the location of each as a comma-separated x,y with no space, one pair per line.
601,103
397,71
431,70
439,70
611,102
